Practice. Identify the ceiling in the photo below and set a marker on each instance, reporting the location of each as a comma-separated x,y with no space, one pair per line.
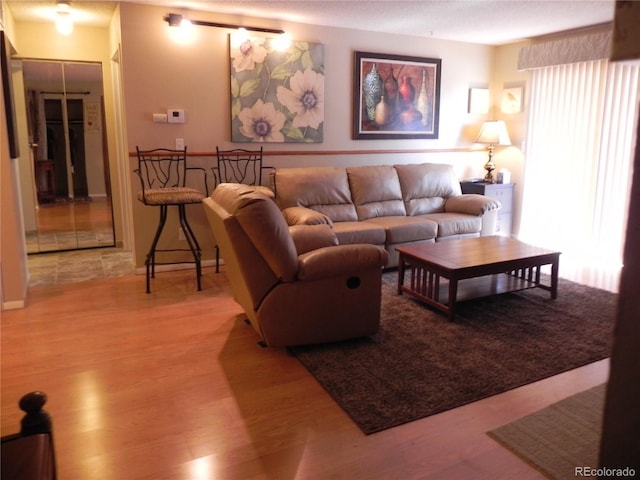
491,22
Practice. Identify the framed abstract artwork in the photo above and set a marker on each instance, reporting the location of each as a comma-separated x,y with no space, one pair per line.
277,95
395,96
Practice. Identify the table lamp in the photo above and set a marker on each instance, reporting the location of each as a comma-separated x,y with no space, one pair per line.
493,133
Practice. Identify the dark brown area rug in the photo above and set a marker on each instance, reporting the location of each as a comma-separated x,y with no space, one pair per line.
420,363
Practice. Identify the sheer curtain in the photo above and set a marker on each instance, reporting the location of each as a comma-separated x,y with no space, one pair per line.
578,166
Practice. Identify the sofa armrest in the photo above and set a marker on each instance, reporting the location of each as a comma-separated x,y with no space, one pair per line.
312,237
264,190
340,260
471,204
305,216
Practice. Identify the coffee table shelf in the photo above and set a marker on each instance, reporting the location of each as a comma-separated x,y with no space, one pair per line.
479,287
442,274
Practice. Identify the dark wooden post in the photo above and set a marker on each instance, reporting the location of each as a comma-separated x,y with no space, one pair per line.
36,420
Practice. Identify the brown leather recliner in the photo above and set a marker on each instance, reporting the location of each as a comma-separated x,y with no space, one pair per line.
296,284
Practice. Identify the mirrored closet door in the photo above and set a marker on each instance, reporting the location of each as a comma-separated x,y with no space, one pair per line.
66,195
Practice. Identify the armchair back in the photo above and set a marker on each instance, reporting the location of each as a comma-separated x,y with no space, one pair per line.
296,284
255,242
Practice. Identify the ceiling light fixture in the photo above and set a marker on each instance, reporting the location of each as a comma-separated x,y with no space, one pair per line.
64,22
176,20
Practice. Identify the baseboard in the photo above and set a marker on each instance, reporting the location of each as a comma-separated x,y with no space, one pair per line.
16,304
13,305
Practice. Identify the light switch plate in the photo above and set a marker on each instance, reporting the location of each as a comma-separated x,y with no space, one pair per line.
159,118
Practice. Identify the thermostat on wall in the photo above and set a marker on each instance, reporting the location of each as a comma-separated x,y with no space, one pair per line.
175,115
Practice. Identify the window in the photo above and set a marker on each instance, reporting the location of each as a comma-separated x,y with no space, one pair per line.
577,175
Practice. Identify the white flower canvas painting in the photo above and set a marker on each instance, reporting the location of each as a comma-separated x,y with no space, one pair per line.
277,95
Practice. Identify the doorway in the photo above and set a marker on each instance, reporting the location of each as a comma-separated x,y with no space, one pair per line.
68,205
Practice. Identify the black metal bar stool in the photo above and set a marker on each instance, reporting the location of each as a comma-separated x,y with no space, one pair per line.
239,166
163,177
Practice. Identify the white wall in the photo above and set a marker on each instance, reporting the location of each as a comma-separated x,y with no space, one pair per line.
13,269
506,74
160,74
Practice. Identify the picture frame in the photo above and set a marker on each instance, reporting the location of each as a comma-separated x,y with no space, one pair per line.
512,99
277,95
478,100
395,96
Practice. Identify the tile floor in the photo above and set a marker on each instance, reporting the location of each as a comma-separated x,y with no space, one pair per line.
78,266
52,241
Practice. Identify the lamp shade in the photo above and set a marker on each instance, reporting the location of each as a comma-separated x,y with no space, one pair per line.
494,133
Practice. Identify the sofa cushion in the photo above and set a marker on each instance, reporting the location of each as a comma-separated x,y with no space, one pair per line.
426,186
359,232
375,191
324,189
402,229
455,223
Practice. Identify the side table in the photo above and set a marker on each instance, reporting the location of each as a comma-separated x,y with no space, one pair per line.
499,191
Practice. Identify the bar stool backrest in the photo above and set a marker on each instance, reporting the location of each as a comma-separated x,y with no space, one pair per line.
239,166
162,168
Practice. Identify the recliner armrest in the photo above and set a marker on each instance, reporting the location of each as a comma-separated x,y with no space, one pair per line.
312,237
471,203
340,260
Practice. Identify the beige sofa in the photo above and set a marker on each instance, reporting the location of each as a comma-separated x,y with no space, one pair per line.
385,205
296,284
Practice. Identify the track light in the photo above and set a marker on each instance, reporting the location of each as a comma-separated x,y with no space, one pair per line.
176,20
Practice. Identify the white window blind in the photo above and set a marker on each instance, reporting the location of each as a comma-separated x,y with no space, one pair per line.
578,166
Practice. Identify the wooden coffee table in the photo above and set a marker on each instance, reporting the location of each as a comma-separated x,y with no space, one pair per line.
444,273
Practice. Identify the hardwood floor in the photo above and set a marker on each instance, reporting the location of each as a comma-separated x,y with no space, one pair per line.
71,225
172,385
81,215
